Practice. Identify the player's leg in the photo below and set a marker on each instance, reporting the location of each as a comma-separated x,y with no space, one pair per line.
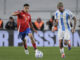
60,36
32,40
24,41
68,42
22,36
61,48
25,46
33,43
67,39
29,33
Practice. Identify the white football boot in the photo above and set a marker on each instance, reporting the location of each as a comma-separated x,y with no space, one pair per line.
26,52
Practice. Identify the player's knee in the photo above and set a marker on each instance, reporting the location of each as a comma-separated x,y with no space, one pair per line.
31,36
66,42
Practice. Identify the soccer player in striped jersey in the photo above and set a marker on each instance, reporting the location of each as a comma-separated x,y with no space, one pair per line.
62,18
24,24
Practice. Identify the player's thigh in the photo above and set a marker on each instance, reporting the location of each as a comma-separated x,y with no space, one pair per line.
30,35
22,35
67,35
60,35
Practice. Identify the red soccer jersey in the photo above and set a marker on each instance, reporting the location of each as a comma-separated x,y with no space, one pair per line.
23,20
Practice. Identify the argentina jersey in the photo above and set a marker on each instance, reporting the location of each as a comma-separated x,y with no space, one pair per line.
64,19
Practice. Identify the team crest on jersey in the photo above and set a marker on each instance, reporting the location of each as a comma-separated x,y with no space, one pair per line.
28,17
23,15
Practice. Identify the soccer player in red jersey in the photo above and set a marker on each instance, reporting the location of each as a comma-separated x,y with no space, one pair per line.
24,24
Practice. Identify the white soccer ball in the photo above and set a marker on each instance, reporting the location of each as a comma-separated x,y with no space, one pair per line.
39,54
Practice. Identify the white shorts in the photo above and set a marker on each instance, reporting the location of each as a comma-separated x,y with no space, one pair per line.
63,35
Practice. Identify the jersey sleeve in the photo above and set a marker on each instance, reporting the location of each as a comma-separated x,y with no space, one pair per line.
71,14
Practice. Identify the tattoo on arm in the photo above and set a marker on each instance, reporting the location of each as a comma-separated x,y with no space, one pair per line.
31,25
74,18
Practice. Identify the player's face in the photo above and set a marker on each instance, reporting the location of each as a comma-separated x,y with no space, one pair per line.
26,8
61,8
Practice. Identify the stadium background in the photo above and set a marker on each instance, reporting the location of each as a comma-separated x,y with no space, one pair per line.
38,8
43,9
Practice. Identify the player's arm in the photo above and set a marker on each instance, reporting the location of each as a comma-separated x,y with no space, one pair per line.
31,25
15,13
74,18
55,23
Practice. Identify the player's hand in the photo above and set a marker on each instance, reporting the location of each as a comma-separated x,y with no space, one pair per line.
35,31
16,13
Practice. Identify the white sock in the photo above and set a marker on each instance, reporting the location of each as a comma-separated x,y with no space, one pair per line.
62,50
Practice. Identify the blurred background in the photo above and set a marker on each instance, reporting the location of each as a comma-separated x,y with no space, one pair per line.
38,8
41,12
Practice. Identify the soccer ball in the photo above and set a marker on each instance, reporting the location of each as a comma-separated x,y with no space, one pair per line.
39,54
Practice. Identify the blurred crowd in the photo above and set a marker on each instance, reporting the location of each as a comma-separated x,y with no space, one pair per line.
38,24
10,25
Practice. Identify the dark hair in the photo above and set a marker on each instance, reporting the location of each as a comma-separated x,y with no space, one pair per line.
26,4
10,17
60,4
53,18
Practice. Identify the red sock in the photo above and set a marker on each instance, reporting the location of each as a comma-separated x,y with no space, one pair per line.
34,45
25,46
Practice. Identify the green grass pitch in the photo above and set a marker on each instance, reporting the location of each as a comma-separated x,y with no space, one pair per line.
50,53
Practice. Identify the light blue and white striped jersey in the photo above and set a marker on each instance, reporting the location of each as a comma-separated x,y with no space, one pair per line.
64,19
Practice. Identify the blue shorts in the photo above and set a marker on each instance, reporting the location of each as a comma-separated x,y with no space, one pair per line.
24,33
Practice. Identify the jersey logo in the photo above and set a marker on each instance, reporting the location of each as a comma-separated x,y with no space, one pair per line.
23,15
28,17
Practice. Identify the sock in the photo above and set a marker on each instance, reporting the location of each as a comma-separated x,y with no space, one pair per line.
61,45
61,50
25,46
34,45
69,43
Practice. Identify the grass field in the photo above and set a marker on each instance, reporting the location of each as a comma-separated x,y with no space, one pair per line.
50,53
